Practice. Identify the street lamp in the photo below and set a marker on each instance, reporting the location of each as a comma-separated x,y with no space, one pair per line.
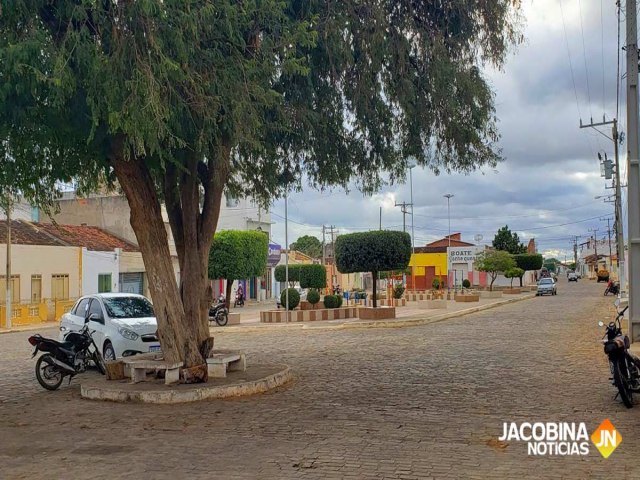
411,166
448,196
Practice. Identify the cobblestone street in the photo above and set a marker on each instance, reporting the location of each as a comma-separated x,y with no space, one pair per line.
418,402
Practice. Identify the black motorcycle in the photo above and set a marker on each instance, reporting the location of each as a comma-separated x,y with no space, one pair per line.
219,312
239,300
613,288
66,358
625,366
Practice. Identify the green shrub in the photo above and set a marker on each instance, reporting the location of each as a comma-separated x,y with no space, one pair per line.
309,275
331,301
313,296
294,298
398,291
340,300
436,283
466,283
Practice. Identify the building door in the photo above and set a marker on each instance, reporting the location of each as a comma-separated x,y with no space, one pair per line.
36,288
132,283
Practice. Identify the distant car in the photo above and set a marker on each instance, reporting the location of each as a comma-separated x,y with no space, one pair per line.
572,277
547,286
124,323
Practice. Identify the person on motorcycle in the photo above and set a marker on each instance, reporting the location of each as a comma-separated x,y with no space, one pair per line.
240,294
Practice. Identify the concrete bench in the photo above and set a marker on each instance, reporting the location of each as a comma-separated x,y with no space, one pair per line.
220,362
139,366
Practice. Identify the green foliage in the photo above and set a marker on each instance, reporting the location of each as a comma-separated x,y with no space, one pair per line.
528,261
388,274
376,251
331,301
313,296
309,245
398,291
294,298
508,241
494,262
466,283
238,254
514,272
309,275
572,266
340,300
435,284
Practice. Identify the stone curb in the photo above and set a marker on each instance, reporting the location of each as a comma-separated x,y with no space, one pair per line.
165,396
29,328
398,323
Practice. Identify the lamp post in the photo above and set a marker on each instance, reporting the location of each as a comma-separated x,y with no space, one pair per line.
448,196
411,166
286,256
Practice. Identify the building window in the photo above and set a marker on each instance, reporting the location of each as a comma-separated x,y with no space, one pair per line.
15,289
36,288
60,287
231,200
104,283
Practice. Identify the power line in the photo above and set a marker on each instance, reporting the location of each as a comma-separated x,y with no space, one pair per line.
602,51
584,56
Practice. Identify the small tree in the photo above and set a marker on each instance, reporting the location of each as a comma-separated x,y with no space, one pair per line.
237,254
493,262
527,262
514,272
508,241
374,252
294,298
313,297
435,284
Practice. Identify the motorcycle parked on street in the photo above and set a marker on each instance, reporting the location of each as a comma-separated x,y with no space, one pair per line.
624,366
67,358
219,312
612,287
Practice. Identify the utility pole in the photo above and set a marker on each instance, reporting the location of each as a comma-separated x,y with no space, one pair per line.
331,229
323,246
609,235
633,170
8,273
595,244
403,207
575,252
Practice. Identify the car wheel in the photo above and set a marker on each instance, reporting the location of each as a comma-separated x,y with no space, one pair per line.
109,354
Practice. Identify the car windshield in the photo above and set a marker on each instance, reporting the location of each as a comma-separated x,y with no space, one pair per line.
546,281
128,307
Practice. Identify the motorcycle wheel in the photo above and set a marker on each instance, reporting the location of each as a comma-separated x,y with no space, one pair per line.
48,374
622,383
606,292
98,360
222,318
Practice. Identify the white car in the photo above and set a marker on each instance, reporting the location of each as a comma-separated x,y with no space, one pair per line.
124,323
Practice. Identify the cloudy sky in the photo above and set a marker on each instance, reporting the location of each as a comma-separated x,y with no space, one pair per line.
545,189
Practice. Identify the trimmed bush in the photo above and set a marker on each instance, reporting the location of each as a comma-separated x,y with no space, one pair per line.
340,300
398,291
435,284
331,301
294,298
466,283
309,275
313,296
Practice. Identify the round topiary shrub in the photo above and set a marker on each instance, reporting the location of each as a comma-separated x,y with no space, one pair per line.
340,300
398,291
466,283
436,283
294,298
331,301
313,296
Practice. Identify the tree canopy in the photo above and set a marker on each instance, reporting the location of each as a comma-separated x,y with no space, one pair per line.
179,100
309,245
508,241
309,275
494,262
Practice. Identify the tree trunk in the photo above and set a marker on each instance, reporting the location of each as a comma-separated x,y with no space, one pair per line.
521,281
180,336
228,292
375,283
493,279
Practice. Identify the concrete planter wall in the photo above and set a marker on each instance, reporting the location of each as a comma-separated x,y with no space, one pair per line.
467,298
488,294
397,302
380,313
280,316
433,304
305,305
511,291
415,297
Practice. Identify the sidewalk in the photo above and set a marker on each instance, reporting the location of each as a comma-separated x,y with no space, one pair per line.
29,328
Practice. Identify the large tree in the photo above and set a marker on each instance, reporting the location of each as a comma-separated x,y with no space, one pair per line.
508,241
309,245
178,100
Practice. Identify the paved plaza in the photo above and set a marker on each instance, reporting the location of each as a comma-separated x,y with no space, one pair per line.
415,402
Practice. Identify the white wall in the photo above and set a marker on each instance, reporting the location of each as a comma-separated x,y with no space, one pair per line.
97,263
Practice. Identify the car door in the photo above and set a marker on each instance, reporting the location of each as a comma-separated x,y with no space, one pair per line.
74,320
98,324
